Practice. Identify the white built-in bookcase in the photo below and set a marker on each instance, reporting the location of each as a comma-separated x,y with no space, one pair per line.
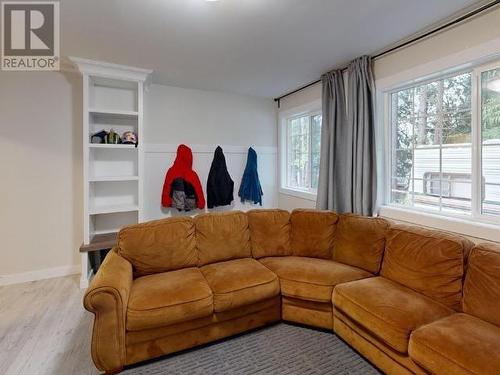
112,173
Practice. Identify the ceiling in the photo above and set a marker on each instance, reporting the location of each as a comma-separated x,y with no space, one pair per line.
254,47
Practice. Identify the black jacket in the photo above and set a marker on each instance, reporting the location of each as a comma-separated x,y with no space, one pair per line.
219,183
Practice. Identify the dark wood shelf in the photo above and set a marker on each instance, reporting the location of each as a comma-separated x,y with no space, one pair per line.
100,242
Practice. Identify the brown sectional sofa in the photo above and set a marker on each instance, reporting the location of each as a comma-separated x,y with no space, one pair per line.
392,292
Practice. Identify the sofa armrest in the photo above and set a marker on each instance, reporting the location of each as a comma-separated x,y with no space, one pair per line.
107,298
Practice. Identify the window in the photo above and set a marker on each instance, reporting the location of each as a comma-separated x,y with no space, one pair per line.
445,143
302,135
432,145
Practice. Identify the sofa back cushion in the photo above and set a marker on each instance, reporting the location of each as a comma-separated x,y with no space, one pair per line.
222,236
312,233
159,246
428,261
482,283
269,233
360,241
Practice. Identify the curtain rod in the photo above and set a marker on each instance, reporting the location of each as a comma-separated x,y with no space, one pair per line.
404,44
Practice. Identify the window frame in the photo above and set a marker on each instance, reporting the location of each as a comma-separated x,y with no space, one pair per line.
309,109
476,215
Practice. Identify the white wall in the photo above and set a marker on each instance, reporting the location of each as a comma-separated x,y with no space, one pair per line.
290,202
300,98
175,115
474,32
41,169
203,120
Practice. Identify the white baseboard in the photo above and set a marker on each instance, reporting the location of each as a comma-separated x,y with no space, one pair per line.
47,273
84,281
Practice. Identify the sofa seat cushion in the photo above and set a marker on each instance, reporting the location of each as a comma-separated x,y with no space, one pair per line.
457,344
168,298
311,279
388,310
240,282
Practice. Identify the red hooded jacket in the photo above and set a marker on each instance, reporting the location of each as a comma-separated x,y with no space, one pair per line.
182,168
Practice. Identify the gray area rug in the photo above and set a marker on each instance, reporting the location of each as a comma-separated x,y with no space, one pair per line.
280,349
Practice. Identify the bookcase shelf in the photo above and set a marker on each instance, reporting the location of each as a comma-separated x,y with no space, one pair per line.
113,178
113,173
100,242
112,146
113,113
112,209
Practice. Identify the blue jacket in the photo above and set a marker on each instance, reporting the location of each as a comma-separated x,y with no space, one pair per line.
250,189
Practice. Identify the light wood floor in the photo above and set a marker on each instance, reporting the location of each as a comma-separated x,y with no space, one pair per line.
44,329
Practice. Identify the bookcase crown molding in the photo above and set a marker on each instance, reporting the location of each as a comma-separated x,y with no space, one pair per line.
110,70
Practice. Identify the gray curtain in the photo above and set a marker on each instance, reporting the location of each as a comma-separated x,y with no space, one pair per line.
347,181
330,195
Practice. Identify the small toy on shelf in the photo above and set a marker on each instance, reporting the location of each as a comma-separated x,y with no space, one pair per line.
99,137
129,138
112,137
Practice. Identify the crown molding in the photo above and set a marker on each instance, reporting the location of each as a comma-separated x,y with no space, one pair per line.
109,70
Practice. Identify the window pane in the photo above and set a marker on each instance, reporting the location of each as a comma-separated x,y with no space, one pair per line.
403,115
401,197
404,101
427,191
491,199
400,192
428,130
456,180
426,161
490,131
298,153
404,134
303,151
426,100
457,128
431,157
315,149
457,93
402,167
